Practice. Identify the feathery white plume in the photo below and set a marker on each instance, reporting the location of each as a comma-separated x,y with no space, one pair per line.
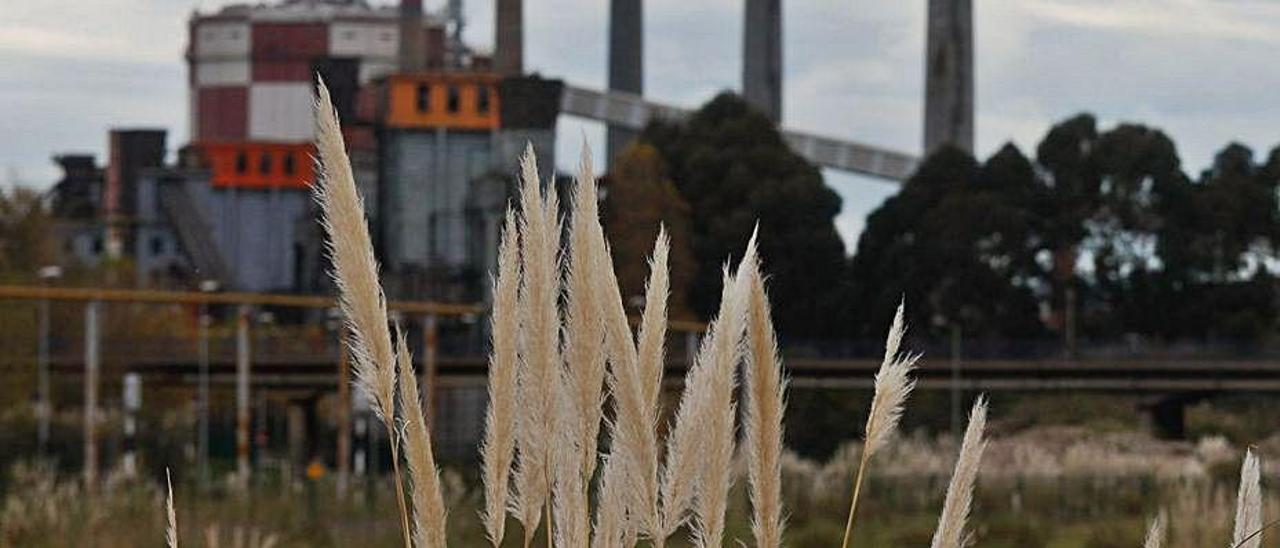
1249,505
955,511
428,501
765,390
892,386
171,533
1155,535
498,447
355,272
538,342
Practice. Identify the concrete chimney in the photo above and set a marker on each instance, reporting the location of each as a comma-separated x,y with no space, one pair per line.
413,43
948,101
626,61
762,56
508,55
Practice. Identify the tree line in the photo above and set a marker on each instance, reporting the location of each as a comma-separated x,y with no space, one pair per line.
1102,232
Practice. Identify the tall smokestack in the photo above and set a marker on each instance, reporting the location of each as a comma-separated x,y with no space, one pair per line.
508,55
626,61
948,101
413,53
762,56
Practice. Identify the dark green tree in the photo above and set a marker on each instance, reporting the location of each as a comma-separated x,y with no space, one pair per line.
734,169
958,244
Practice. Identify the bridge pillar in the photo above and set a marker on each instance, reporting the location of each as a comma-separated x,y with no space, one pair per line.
1168,414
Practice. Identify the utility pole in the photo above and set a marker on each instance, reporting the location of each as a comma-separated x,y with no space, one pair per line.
242,396
206,286
91,367
956,428
430,350
44,408
344,412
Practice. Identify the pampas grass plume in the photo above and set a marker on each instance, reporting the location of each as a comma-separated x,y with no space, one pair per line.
955,510
538,345
765,390
498,447
892,386
1155,535
1248,524
355,272
171,533
428,502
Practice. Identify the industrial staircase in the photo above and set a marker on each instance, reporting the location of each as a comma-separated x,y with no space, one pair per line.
194,233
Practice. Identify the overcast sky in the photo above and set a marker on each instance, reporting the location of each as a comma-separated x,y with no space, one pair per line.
1202,70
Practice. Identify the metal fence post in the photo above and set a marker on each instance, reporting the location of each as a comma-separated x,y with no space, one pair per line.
132,397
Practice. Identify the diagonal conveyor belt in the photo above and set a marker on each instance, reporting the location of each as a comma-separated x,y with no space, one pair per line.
633,112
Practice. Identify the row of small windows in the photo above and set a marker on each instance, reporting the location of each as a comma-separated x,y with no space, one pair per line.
266,164
453,99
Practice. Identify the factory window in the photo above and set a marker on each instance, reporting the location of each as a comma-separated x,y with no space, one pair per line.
482,99
455,99
288,164
264,163
424,98
242,163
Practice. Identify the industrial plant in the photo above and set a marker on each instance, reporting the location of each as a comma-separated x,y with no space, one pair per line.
434,126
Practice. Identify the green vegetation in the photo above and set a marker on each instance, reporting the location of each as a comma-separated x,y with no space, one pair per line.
1107,218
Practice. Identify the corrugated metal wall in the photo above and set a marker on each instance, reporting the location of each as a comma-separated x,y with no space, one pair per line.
221,114
281,111
222,73
425,187
365,39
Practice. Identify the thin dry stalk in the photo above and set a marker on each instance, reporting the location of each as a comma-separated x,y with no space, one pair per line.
355,272
765,389
538,346
498,448
955,511
171,533
892,386
428,502
1155,535
1248,522
700,446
